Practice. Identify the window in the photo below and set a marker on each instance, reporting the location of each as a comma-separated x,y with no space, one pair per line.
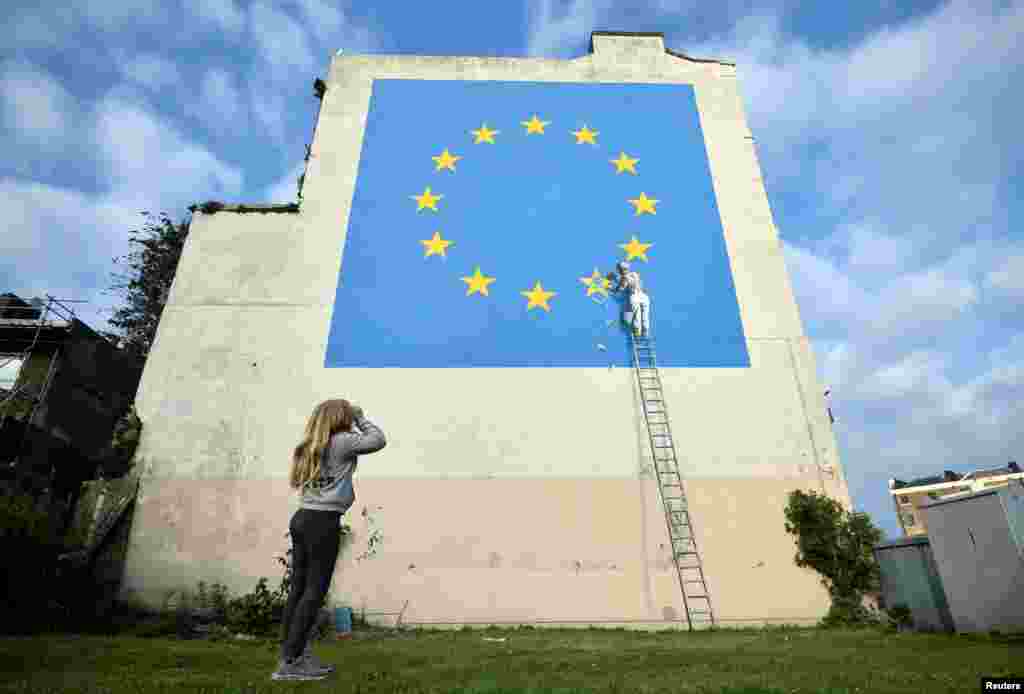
9,365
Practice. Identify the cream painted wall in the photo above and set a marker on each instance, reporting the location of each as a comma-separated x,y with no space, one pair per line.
483,457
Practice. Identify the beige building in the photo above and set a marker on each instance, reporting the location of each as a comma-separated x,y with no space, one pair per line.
505,495
909,498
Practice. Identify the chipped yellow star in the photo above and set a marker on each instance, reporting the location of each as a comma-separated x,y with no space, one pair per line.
538,297
644,204
446,161
624,163
484,134
477,283
635,249
426,199
436,245
585,135
535,125
596,284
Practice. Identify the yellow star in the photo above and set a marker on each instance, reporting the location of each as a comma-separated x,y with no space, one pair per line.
427,199
538,297
644,204
484,135
596,283
624,163
446,161
635,249
477,283
585,135
436,245
535,125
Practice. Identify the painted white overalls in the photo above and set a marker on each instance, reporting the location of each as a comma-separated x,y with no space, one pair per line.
639,303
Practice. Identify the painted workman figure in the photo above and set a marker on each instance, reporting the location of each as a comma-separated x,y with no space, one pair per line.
639,302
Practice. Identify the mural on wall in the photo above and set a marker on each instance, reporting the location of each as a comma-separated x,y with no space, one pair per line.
486,217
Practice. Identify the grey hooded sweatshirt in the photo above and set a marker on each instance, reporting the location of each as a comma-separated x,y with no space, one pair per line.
333,490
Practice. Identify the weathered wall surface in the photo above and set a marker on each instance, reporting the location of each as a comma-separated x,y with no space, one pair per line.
504,495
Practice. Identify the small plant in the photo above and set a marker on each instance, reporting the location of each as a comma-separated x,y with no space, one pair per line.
900,616
255,613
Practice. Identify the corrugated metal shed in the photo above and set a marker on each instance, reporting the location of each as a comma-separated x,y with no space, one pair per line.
977,544
910,577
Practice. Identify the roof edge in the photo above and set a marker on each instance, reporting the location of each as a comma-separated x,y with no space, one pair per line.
674,54
212,207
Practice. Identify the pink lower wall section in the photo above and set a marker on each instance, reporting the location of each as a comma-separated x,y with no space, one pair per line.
490,551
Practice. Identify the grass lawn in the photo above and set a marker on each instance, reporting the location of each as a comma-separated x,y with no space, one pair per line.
529,660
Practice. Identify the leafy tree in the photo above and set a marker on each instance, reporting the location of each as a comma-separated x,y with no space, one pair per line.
151,267
838,545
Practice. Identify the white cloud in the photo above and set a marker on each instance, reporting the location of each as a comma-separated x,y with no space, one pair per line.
39,220
923,297
282,43
35,103
822,288
285,189
116,16
1009,275
918,372
220,103
220,15
151,71
325,21
268,108
553,32
146,157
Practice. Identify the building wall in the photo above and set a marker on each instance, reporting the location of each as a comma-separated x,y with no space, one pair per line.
504,495
979,560
910,502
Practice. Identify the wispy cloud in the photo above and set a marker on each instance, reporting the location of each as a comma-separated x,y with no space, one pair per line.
220,106
217,15
144,156
282,42
35,105
285,189
151,71
555,31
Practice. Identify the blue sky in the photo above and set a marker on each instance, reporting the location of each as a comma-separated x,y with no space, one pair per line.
884,130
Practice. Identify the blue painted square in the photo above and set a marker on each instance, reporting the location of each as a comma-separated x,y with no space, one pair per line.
527,208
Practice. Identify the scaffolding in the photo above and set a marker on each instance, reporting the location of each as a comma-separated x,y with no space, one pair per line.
25,329
39,319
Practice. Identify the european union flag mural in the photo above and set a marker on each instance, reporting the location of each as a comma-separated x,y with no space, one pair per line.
486,216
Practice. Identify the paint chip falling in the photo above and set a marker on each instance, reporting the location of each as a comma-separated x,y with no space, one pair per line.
602,347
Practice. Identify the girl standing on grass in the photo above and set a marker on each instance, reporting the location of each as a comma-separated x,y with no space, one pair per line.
322,467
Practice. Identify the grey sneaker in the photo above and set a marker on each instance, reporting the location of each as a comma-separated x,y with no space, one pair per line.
315,663
300,669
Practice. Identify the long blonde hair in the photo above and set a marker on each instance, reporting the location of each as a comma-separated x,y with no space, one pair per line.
328,418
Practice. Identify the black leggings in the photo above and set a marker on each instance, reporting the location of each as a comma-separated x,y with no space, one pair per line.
316,539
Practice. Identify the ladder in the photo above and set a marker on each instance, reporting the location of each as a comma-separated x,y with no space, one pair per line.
696,599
